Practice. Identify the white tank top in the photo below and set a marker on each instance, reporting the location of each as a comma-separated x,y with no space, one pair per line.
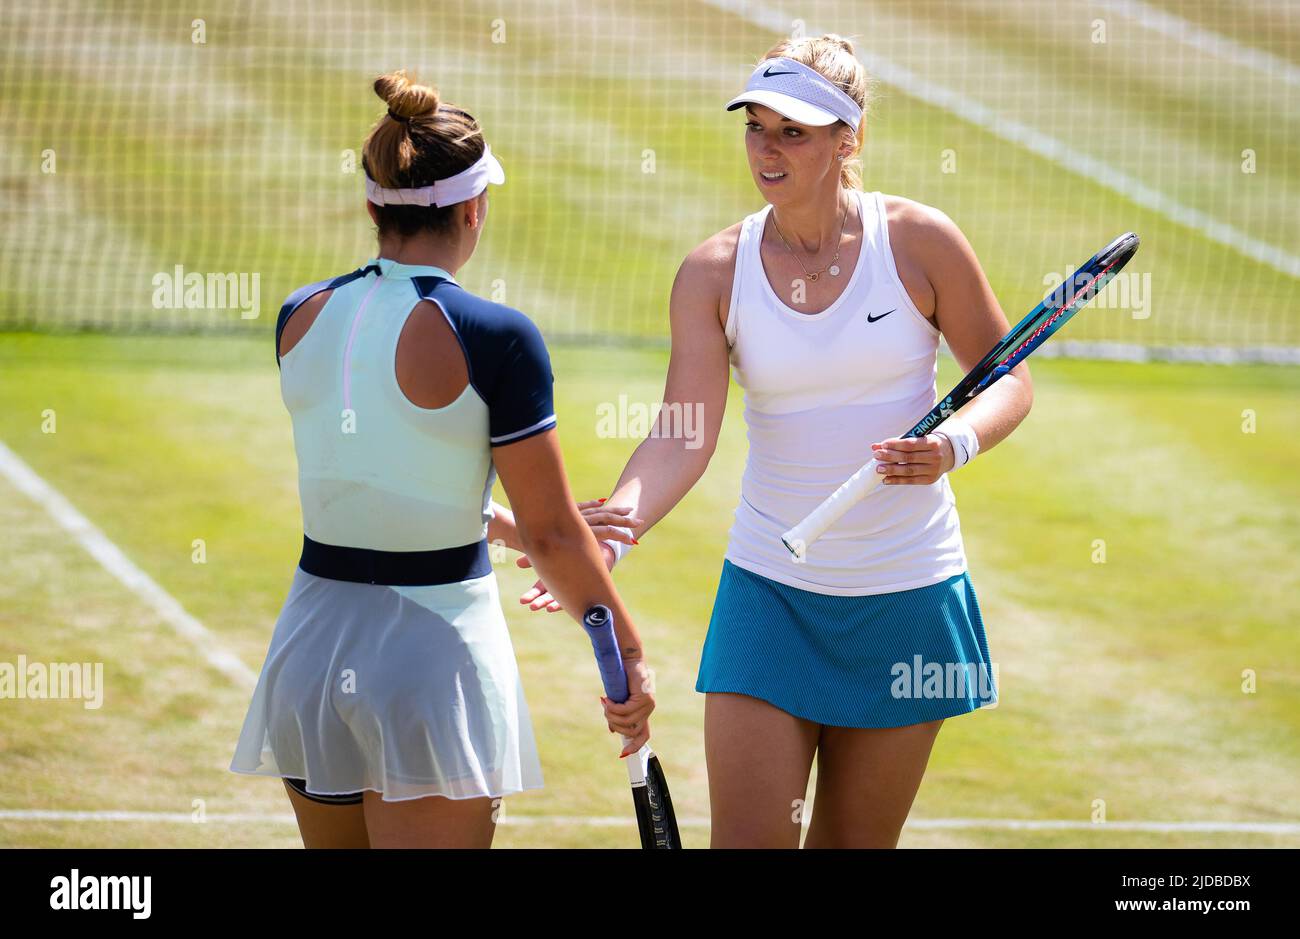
819,390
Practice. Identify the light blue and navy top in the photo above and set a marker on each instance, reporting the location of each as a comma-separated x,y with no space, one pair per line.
394,493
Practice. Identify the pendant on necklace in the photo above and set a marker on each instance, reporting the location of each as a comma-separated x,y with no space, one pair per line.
835,270
814,276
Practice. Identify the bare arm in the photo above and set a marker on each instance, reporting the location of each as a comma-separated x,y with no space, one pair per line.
968,315
604,523
667,464
502,528
971,320
562,547
552,532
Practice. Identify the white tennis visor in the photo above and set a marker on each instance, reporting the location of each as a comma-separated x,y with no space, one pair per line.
798,92
466,184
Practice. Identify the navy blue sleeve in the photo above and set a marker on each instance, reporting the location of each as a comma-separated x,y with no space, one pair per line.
522,403
508,363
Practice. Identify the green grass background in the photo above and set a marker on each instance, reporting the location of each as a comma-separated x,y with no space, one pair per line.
1121,681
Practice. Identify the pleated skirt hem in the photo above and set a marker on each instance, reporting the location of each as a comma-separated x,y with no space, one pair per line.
875,661
408,691
436,791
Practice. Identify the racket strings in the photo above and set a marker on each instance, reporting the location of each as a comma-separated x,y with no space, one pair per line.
1035,334
1094,284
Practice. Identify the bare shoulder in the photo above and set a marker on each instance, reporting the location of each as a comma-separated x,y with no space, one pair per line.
940,261
926,232
704,278
922,225
925,244
302,319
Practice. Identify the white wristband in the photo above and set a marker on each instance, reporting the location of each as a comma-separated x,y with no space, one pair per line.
965,443
619,548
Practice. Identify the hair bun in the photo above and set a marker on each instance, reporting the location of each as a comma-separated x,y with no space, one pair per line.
405,97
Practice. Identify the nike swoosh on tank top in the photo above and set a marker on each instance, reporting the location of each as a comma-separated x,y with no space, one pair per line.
819,390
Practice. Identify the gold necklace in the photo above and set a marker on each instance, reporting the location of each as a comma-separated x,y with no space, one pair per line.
833,268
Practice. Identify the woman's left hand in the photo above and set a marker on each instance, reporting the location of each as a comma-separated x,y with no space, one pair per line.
913,461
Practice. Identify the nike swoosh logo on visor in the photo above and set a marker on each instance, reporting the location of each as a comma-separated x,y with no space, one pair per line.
768,73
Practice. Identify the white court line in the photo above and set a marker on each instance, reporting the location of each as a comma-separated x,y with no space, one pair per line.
121,567
620,821
1016,824
1207,40
1044,145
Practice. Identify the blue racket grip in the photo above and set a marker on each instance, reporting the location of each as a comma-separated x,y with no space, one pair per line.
599,623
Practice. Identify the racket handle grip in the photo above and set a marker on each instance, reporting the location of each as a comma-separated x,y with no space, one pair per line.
598,621
853,491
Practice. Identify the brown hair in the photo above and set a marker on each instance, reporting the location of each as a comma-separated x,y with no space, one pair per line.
426,141
833,57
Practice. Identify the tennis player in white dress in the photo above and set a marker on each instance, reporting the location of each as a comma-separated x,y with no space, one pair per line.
828,303
390,701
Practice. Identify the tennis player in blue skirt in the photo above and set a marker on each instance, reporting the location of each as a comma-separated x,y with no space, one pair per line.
390,702
829,304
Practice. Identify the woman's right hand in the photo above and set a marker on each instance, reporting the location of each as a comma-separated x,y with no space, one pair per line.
603,522
606,523
632,717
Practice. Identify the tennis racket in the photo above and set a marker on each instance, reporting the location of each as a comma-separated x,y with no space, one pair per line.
654,806
1026,336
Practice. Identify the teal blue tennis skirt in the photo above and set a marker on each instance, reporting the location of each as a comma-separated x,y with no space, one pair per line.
884,660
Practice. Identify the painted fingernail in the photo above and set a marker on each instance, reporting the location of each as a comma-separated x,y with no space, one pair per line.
602,500
880,469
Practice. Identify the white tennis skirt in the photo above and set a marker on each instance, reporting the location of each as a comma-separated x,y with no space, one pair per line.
404,691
